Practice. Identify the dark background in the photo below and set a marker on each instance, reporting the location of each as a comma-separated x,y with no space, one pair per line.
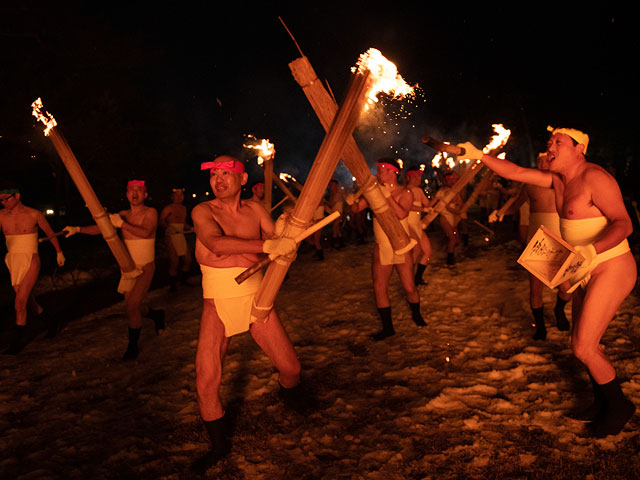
149,91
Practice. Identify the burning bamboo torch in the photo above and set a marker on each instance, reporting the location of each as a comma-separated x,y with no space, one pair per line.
266,152
325,108
498,141
120,252
365,79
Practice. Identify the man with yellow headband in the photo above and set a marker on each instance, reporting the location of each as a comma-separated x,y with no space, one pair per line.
594,220
19,224
384,258
138,226
231,235
173,219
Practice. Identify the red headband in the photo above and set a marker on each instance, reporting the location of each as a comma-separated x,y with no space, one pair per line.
231,165
390,166
136,183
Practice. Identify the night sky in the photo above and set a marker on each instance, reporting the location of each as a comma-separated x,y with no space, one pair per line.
150,91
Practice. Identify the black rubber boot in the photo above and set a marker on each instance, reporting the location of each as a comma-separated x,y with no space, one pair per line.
538,317
132,348
451,259
220,446
297,398
595,410
17,340
158,319
419,272
387,324
318,255
561,319
617,412
415,314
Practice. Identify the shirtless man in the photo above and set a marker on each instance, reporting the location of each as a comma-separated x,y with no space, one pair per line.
542,211
19,224
450,217
138,226
231,233
594,220
422,250
384,258
173,219
257,192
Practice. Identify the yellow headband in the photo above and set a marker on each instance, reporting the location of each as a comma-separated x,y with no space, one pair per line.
580,137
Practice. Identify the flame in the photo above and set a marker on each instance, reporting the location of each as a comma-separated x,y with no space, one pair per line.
285,177
499,139
45,117
266,149
436,160
384,77
422,167
401,163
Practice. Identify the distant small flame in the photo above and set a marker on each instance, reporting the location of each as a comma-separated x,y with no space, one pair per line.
285,177
266,149
499,139
436,160
422,167
45,117
384,76
400,163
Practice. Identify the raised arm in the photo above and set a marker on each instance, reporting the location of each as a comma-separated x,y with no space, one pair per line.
507,169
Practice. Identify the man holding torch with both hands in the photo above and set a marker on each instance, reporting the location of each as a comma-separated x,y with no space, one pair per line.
231,234
138,225
594,220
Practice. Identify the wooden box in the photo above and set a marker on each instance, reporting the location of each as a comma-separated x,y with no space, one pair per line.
550,258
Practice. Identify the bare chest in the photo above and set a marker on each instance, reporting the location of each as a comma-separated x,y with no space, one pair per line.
17,223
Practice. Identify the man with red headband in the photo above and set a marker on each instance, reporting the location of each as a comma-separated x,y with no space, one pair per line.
173,219
384,258
421,203
594,220
257,191
138,226
19,224
231,235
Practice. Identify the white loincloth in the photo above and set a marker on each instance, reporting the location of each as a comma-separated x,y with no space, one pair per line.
587,231
550,220
525,213
20,251
233,302
387,254
142,251
175,234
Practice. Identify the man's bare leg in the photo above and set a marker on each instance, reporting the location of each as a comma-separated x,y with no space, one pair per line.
537,308
405,272
210,354
23,293
421,257
381,276
136,309
594,308
174,262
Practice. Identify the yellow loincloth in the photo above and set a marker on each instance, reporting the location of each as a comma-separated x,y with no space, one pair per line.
20,251
233,302
387,254
525,213
142,251
550,220
175,234
587,231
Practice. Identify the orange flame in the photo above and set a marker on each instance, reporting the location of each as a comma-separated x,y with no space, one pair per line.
384,76
266,149
285,177
500,139
45,117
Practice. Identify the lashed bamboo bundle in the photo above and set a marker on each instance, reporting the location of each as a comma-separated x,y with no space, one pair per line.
321,172
480,187
325,108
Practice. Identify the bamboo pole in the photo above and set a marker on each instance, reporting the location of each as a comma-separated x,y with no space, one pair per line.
284,188
325,108
321,172
98,212
510,201
481,186
268,183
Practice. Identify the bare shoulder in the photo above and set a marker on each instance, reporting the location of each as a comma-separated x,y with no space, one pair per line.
202,209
